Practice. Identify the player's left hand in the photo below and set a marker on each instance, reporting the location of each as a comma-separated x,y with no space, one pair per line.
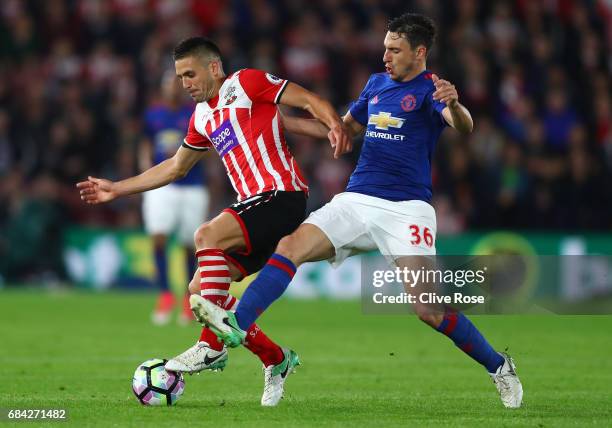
340,140
445,91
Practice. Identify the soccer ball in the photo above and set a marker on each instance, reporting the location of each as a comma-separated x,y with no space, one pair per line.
153,385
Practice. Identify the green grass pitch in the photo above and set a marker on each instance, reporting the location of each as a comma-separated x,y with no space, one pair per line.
78,351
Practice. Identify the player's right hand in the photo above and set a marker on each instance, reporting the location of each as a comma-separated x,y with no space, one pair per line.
96,190
340,140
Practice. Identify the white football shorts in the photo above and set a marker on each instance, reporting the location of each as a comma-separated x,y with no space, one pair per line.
356,223
175,209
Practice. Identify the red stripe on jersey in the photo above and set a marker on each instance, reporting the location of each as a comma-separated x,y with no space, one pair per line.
272,146
297,177
302,182
252,157
247,172
232,173
217,117
243,116
209,126
226,115
287,155
261,160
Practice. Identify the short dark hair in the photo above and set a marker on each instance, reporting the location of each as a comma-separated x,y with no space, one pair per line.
416,28
197,46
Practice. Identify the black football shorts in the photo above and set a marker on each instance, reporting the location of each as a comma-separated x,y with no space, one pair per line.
265,219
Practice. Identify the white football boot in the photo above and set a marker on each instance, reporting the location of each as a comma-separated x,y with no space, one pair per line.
275,377
221,322
507,383
197,358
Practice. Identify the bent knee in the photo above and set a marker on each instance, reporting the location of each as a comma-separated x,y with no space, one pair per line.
204,236
288,247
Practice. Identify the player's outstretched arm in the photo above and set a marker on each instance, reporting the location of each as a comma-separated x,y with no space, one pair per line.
308,127
296,96
98,190
455,114
314,128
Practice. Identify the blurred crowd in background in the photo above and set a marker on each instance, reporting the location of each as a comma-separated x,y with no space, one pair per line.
77,75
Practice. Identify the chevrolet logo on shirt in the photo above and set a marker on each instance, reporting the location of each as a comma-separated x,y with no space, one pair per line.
384,120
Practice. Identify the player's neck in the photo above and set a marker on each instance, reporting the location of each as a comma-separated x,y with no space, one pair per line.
414,73
217,86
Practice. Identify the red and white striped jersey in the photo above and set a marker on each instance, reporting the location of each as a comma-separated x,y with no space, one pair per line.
243,124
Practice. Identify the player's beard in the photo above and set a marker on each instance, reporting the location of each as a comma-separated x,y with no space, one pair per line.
208,90
402,72
205,93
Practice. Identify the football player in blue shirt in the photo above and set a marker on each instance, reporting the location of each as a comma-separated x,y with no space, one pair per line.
386,205
179,207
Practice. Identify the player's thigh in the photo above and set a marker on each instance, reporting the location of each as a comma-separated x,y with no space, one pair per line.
223,232
194,205
267,217
160,211
307,244
265,220
343,222
405,234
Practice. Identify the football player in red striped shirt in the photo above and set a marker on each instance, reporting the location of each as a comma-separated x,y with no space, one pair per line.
238,117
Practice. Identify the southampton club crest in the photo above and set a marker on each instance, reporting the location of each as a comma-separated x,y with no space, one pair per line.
230,95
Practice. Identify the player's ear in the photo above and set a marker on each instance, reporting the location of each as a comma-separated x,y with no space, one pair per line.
215,67
421,52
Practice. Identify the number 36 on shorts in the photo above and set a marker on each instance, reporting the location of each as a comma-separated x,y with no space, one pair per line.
420,235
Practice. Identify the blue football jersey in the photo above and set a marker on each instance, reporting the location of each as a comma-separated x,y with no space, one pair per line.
166,129
403,124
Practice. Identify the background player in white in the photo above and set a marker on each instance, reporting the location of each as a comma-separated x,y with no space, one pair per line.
181,206
237,115
386,203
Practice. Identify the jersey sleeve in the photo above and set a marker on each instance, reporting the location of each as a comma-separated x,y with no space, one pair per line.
194,140
359,108
261,86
